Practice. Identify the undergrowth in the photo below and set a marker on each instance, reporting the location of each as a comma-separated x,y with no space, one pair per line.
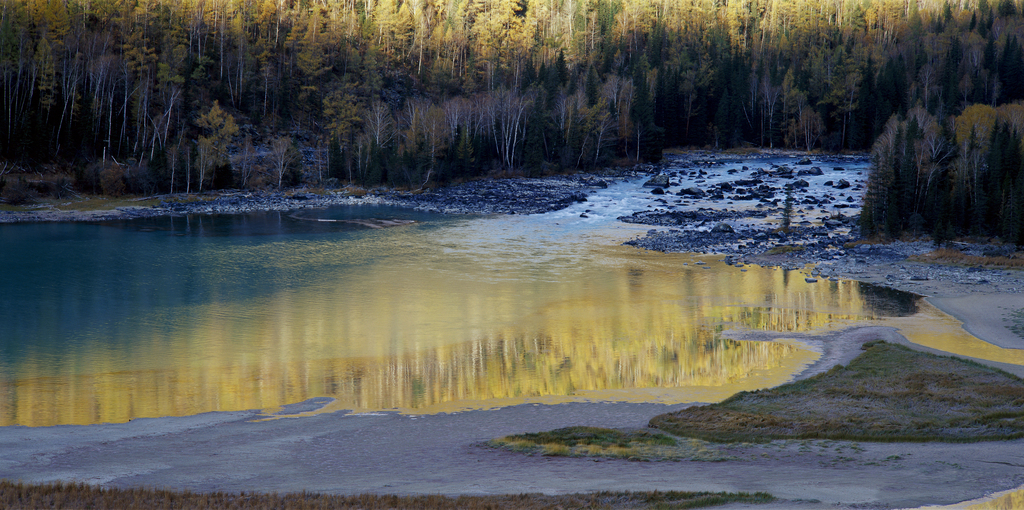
888,393
610,443
81,496
952,256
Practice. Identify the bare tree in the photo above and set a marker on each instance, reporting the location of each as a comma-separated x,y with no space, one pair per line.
281,156
510,116
244,160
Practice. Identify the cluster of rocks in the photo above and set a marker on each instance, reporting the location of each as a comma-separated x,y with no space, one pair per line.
695,218
239,202
812,243
757,187
504,196
900,273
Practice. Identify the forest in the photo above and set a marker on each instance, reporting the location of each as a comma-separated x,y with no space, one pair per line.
159,96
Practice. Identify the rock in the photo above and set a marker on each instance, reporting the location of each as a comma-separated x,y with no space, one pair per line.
598,184
804,162
833,223
811,280
722,228
842,184
658,181
800,183
811,171
657,191
690,192
584,215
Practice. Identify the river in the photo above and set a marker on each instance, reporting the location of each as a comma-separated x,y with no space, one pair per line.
172,316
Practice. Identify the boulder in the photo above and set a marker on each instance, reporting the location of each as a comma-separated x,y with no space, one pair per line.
690,192
658,181
804,162
722,228
842,184
811,171
657,191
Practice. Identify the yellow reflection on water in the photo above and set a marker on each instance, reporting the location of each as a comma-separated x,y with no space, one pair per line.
933,328
425,336
1011,501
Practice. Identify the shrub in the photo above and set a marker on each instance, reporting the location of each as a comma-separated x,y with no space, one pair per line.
19,193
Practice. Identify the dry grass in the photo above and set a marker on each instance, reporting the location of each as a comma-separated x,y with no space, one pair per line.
784,249
90,203
600,442
75,496
951,256
888,393
101,203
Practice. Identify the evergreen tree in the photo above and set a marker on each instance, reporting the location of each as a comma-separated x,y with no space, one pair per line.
649,137
335,160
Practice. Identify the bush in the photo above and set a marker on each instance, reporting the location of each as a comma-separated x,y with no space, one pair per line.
19,193
112,181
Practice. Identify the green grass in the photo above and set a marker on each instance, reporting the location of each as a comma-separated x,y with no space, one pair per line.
75,496
611,443
1017,318
888,393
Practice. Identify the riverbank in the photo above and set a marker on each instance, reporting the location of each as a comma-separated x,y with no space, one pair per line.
486,196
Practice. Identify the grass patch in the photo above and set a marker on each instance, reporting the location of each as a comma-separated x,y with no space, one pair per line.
101,203
784,249
610,443
1017,319
888,393
957,257
89,203
74,496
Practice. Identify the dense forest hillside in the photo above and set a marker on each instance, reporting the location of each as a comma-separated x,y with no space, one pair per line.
173,95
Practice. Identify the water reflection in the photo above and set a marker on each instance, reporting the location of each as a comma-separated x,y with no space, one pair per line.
107,323
1011,501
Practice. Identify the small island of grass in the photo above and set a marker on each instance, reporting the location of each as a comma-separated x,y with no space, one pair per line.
889,393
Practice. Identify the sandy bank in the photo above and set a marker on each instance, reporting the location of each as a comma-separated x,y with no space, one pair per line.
988,316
